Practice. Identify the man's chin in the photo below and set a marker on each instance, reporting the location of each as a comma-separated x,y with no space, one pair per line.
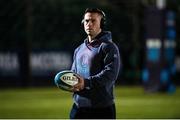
89,33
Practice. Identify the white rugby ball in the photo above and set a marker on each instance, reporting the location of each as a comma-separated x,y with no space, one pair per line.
65,80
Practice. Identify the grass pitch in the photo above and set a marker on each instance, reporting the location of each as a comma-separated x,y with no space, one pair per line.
131,102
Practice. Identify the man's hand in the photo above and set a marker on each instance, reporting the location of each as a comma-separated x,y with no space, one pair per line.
80,85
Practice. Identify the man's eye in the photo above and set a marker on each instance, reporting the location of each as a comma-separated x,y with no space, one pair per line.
86,21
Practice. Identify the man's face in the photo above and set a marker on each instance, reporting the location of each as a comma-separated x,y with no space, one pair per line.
92,23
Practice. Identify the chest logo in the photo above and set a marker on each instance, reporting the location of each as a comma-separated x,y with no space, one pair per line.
84,61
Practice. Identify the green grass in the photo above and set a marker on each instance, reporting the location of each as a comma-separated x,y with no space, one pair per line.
131,102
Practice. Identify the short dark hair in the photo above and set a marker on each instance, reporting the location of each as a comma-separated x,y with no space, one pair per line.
94,10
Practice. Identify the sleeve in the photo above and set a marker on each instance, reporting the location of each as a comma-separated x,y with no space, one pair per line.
73,67
109,74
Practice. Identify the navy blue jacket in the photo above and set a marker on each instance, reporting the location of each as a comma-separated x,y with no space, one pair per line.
99,63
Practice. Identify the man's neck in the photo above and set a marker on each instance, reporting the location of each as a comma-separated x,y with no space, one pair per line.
91,38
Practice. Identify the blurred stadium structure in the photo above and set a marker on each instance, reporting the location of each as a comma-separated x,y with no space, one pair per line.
37,38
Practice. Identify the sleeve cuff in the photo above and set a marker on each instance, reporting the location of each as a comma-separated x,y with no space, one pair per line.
87,84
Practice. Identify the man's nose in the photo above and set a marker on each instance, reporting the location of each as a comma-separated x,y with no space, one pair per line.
89,23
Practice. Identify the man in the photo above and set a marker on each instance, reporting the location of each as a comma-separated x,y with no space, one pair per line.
97,62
